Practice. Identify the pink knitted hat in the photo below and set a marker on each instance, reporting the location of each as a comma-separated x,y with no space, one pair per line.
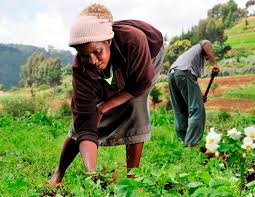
90,29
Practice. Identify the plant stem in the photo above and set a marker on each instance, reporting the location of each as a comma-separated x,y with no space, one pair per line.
242,171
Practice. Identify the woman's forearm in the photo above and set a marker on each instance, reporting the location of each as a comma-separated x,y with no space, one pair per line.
115,101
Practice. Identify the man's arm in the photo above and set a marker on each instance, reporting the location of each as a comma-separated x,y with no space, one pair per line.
208,50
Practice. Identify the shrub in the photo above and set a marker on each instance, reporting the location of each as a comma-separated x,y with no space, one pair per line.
224,116
215,86
2,86
18,106
161,117
155,95
13,89
41,118
43,87
63,110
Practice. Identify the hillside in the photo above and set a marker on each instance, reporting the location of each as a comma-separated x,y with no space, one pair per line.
242,35
12,56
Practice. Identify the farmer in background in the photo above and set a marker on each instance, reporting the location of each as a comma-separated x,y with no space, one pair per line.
186,96
114,69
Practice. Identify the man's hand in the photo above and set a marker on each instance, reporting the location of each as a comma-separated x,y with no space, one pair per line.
215,69
204,98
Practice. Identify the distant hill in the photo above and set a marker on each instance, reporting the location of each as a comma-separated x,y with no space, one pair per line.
12,56
242,35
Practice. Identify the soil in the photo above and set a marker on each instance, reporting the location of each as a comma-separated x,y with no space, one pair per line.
228,104
226,83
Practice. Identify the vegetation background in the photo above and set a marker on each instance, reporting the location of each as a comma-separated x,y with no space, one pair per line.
35,114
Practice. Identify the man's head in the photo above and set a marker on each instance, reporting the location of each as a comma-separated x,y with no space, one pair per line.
91,35
208,44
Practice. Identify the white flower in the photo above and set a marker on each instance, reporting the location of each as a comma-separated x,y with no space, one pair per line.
211,148
234,133
250,132
212,135
212,141
248,144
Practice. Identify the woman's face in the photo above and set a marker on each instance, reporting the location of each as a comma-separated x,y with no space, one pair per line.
95,53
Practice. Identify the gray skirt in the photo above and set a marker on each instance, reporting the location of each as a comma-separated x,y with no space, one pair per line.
128,123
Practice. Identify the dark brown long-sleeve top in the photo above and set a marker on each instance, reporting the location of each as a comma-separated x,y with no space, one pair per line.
134,44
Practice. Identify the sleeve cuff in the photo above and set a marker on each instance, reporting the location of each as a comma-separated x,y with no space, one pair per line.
88,135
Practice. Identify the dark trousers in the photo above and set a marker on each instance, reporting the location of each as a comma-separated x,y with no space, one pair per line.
188,106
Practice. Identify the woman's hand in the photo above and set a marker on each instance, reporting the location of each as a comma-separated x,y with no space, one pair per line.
99,115
115,101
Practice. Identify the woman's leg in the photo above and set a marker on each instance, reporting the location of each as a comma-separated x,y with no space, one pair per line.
69,151
133,156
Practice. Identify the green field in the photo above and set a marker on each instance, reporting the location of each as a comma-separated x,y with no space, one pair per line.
30,147
241,36
242,92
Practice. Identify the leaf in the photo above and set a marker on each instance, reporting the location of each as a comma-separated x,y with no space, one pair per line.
128,182
224,148
136,171
205,176
201,192
183,176
214,184
194,184
251,185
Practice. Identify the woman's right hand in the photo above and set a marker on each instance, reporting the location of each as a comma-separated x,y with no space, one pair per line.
99,116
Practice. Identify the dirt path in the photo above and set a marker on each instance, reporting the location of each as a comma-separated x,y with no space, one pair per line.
226,83
230,105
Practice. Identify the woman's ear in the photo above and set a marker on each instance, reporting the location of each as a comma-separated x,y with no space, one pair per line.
109,41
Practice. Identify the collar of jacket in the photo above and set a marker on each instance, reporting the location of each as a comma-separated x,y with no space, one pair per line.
118,62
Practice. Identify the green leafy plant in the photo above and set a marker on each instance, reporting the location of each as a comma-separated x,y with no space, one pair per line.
155,95
236,149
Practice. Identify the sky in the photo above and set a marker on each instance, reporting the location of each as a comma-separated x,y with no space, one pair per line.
47,22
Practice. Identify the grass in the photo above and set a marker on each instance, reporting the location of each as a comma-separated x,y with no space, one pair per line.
30,148
241,92
240,36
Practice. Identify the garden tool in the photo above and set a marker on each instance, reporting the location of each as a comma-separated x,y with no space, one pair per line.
208,87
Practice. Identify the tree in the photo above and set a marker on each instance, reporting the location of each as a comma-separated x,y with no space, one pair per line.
40,70
214,30
228,13
54,71
201,29
1,86
176,49
29,70
249,5
214,12
220,49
